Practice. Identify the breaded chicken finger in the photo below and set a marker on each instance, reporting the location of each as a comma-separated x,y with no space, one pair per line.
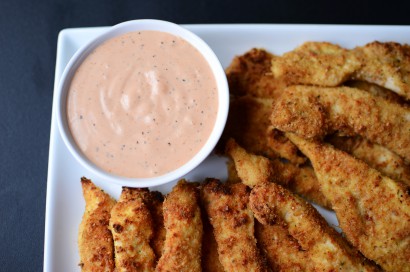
313,112
253,169
386,64
249,74
316,63
183,224
373,210
282,251
132,230
325,249
376,156
233,223
210,258
95,241
155,202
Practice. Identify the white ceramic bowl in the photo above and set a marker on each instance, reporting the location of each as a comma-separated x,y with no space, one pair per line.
138,25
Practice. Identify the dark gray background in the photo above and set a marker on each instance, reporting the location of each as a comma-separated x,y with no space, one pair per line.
28,39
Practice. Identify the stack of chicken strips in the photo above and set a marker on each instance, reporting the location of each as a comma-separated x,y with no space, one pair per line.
320,123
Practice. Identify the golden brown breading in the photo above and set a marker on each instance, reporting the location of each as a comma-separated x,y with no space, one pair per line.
386,64
373,210
313,112
376,90
132,229
282,251
301,180
253,169
233,223
325,249
210,258
95,242
284,148
250,74
232,173
153,200
183,224
155,203
248,122
376,156
316,63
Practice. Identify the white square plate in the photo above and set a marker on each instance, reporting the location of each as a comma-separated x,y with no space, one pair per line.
65,204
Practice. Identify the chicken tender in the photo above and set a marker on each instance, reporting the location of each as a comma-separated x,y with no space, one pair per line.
248,122
250,74
154,202
316,63
282,251
95,241
183,224
376,156
210,258
324,249
233,223
253,169
373,210
386,64
132,229
313,112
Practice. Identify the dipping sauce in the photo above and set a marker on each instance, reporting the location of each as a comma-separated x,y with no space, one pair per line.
142,104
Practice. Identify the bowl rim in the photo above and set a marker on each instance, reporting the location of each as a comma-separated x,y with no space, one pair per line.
131,26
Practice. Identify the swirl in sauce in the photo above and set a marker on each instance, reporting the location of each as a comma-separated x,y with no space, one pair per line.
142,104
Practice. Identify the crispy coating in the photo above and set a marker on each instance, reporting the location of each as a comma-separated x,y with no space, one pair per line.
210,258
232,173
301,180
95,242
373,210
313,112
325,249
155,202
376,90
248,122
386,64
281,145
254,89
282,251
183,224
233,223
376,156
132,229
250,74
316,63
253,169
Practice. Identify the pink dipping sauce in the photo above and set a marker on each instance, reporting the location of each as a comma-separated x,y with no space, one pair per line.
142,104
